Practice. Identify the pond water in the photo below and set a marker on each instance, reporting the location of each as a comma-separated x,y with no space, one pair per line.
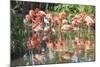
52,57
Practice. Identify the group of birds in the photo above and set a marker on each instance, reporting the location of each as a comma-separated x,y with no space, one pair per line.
45,26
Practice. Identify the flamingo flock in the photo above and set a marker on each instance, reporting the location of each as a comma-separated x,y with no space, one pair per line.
42,28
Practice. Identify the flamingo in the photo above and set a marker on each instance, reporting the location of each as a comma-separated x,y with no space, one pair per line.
36,10
90,24
31,12
89,21
49,16
76,22
38,27
88,49
37,59
59,45
74,44
27,17
66,56
79,16
82,16
63,14
50,45
42,13
88,44
78,44
29,46
81,44
36,41
32,43
66,27
38,19
33,15
75,56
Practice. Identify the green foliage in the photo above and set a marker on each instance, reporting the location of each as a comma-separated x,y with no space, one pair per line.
17,33
74,9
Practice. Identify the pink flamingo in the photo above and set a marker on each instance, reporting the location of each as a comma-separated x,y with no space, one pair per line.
50,45
67,27
27,17
59,45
